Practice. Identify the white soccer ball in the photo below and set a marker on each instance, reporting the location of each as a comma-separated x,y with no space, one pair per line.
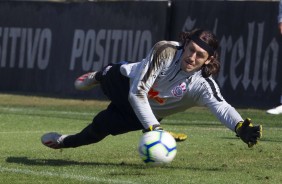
157,147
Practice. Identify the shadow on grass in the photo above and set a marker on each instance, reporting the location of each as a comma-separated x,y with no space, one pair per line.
59,162
88,118
263,139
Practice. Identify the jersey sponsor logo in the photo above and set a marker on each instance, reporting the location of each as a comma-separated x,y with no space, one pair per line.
179,90
152,94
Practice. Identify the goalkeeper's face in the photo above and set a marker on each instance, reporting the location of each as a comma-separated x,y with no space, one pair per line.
193,57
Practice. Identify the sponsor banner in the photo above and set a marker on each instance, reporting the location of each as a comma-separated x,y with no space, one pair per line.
44,47
250,44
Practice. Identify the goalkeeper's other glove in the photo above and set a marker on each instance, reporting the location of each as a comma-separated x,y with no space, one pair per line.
152,127
178,136
249,133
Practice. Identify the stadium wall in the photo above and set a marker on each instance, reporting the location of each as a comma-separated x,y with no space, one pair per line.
44,46
250,46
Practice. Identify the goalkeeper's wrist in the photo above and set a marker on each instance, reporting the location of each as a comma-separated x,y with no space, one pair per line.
153,127
238,126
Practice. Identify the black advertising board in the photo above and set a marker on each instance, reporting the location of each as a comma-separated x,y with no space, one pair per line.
45,46
250,46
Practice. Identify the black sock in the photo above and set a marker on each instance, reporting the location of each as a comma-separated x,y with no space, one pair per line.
85,137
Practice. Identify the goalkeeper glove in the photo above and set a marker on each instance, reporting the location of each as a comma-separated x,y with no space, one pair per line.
248,133
152,127
178,136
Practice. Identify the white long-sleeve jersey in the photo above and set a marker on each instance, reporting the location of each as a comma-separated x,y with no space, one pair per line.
158,88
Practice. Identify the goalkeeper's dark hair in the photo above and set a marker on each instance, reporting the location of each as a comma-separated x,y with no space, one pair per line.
211,44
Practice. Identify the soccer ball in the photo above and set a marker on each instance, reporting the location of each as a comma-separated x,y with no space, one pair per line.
157,147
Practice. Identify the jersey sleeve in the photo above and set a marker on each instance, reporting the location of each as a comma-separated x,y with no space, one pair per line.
145,76
225,113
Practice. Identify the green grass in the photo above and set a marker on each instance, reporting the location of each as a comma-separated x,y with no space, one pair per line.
212,153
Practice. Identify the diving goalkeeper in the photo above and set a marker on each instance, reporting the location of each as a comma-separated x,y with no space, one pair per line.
174,77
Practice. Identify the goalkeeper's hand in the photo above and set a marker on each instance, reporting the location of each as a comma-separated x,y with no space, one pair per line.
177,136
152,127
249,133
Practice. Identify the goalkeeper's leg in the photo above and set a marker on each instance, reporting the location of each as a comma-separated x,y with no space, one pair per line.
87,136
108,122
89,80
92,133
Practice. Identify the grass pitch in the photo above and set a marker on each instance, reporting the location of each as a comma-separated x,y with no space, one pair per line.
211,154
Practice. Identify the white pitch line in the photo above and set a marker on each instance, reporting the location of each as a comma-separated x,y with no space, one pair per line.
22,132
62,175
19,109
33,132
185,121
